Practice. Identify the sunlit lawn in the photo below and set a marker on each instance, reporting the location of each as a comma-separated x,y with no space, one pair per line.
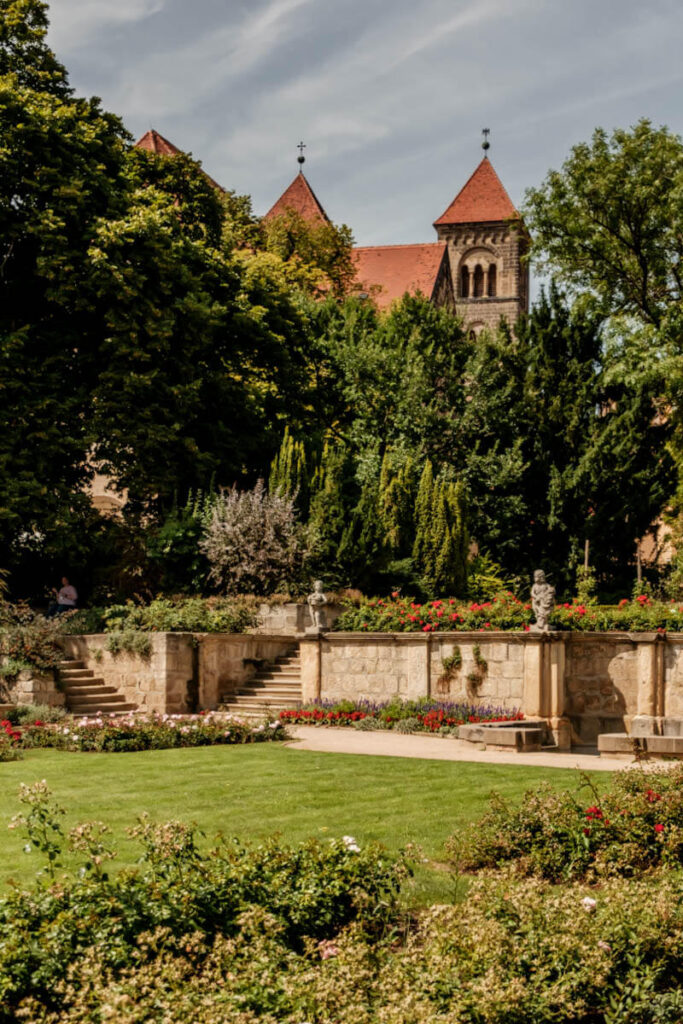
254,791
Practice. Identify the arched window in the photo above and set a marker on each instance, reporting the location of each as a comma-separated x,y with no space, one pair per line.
478,282
492,280
465,283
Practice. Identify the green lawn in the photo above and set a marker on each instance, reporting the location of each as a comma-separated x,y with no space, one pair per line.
257,790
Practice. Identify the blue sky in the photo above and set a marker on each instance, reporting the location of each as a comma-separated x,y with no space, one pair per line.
390,96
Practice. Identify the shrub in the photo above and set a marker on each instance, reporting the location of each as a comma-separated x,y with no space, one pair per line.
130,641
25,714
180,899
635,826
253,542
27,641
10,738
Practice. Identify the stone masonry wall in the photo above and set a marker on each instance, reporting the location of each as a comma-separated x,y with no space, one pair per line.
32,688
500,682
161,682
602,684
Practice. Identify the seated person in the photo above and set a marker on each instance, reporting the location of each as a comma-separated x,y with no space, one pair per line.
66,601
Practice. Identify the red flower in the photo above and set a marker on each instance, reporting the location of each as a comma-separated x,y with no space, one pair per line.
659,828
623,602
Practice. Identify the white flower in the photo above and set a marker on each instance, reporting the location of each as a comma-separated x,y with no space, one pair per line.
351,844
27,848
588,903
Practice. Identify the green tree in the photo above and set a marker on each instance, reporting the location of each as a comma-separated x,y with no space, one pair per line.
289,474
61,165
317,256
610,223
24,53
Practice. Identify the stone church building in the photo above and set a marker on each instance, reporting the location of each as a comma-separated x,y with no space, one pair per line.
476,267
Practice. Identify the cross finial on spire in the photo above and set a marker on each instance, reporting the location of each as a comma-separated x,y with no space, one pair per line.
486,144
301,159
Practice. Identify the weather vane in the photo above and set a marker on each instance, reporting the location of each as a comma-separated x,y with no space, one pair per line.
301,158
486,144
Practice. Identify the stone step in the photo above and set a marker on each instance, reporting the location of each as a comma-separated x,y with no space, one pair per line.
271,703
280,670
107,695
75,673
273,677
84,681
88,691
286,685
271,694
68,663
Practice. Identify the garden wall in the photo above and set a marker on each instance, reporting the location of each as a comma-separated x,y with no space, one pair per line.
582,683
161,682
184,671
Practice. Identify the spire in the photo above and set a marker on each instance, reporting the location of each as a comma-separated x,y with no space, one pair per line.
301,159
300,198
483,198
486,145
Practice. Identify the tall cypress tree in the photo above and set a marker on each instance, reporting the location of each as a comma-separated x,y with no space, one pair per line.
423,516
289,472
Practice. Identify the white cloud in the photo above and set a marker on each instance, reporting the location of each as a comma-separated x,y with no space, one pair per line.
173,82
75,22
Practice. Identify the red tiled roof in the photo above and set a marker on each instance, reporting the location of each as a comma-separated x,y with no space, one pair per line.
153,142
482,198
301,198
387,272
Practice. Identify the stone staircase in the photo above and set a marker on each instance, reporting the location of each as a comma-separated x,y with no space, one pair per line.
87,694
276,687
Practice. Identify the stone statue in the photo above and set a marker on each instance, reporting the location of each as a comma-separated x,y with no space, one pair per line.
317,602
542,602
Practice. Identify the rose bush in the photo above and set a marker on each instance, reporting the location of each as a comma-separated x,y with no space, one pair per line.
634,826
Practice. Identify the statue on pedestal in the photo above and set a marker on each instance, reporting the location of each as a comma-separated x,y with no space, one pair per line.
317,602
542,602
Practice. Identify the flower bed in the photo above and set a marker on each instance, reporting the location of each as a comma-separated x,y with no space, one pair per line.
148,732
405,716
398,614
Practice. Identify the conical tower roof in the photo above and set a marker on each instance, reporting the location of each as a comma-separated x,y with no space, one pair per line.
301,198
155,143
482,198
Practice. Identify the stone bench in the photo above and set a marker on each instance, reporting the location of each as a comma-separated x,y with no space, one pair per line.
619,744
520,736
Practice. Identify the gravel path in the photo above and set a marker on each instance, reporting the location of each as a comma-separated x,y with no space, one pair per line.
438,748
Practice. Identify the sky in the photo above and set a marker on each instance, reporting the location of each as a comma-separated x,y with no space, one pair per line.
389,96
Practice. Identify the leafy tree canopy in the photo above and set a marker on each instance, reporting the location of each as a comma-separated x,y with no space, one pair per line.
610,222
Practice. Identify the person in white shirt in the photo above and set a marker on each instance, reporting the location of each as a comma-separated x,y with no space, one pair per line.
67,599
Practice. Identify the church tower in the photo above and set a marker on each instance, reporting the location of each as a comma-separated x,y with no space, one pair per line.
486,241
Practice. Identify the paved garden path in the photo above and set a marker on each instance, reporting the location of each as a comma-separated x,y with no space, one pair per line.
437,748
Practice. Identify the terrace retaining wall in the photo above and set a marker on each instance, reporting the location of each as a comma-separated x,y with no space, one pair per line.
583,684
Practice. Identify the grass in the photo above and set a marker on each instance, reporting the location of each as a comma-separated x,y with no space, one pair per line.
254,791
